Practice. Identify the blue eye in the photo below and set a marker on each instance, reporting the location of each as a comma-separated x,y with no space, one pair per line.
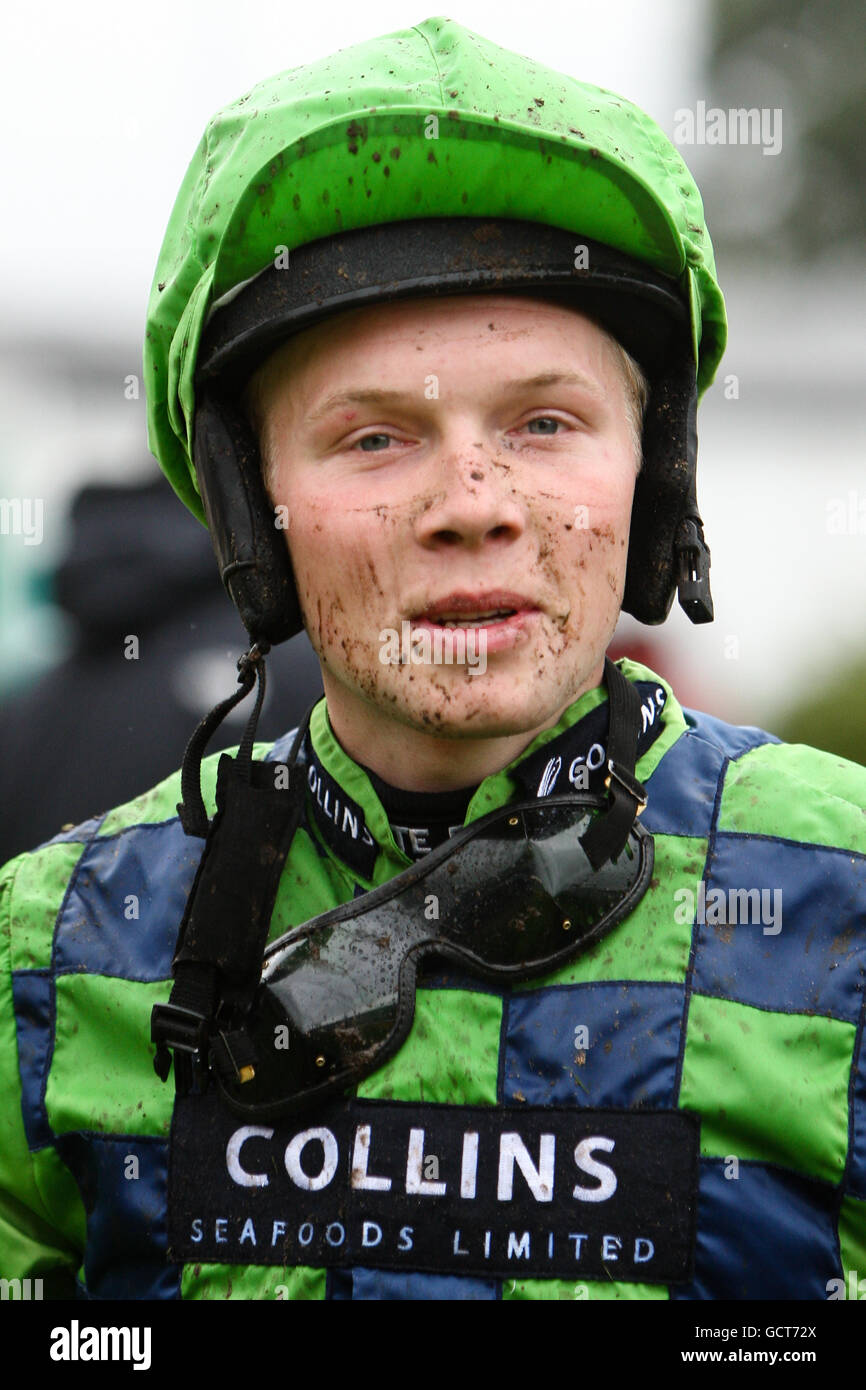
544,420
369,440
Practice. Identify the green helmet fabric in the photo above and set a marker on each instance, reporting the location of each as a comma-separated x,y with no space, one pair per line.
432,121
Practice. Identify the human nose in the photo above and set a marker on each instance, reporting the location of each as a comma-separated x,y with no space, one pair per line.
474,502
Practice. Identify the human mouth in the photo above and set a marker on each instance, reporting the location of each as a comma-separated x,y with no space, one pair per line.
501,615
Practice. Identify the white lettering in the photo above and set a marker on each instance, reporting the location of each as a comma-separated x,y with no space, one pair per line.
361,1180
595,757
75,1343
236,1172
418,840
23,1289
587,1164
512,1149
518,1249
549,776
469,1165
59,1349
415,1182
330,1156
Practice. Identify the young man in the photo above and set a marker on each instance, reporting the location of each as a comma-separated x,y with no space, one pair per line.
576,1006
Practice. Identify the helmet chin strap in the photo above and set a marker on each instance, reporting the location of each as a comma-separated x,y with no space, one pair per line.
693,570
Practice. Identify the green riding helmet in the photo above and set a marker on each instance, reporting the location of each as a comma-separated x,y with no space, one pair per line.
429,161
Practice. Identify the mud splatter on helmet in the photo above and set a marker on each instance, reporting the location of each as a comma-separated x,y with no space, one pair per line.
427,162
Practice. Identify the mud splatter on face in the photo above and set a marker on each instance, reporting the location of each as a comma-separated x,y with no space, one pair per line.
381,534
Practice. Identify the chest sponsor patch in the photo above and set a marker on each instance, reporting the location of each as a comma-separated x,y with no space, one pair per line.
546,1192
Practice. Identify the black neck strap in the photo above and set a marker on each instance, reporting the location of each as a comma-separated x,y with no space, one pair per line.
222,937
606,838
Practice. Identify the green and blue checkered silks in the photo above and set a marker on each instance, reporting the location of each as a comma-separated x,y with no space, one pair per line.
758,1032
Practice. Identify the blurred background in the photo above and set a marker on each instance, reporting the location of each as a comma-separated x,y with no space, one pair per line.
110,102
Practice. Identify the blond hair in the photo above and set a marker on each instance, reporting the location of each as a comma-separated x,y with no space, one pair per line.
637,397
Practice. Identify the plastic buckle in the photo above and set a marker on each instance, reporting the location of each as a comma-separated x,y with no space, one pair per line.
628,783
182,1030
693,576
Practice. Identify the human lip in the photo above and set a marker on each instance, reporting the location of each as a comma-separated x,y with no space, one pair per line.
502,615
486,605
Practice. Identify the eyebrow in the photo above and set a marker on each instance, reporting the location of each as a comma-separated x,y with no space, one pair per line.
377,396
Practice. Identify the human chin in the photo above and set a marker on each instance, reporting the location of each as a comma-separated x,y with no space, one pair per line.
458,707
508,693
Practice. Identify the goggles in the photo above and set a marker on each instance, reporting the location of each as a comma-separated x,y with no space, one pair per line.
510,897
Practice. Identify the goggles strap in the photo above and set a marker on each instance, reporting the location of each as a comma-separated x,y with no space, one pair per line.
606,838
191,809
222,937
